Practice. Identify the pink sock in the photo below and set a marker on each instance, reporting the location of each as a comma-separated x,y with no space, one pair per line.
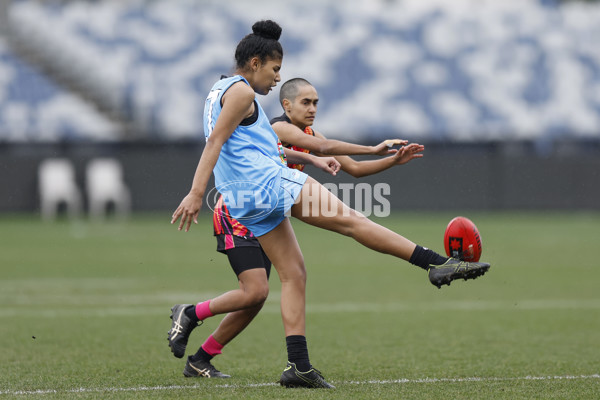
203,310
212,347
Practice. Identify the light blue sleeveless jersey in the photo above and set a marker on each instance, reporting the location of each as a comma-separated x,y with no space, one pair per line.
251,164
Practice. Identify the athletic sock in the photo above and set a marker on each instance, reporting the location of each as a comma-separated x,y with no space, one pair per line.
298,352
423,257
208,350
203,310
201,354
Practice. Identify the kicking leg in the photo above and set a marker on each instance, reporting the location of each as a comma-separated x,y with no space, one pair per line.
319,207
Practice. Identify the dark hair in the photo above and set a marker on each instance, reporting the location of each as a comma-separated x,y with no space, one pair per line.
263,43
289,90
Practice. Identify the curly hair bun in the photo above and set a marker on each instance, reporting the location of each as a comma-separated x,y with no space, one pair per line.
267,29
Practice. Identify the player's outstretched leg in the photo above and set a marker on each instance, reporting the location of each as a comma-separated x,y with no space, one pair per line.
292,378
181,327
455,269
319,207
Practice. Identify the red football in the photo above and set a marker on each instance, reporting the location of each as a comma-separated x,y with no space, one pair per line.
462,240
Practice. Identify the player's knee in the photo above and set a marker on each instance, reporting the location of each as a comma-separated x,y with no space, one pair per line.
350,224
291,270
296,274
260,295
257,294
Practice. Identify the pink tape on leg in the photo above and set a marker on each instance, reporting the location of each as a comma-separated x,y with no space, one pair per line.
203,310
212,347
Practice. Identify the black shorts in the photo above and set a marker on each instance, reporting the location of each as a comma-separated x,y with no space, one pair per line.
226,242
244,258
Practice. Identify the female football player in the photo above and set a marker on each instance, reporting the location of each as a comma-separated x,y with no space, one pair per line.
242,152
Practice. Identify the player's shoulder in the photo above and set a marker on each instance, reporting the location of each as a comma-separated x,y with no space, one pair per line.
241,87
283,118
286,130
241,91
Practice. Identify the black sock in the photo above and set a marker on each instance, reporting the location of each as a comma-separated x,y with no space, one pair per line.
298,352
190,312
201,355
423,257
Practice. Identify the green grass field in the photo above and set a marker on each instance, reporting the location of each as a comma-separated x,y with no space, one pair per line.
84,311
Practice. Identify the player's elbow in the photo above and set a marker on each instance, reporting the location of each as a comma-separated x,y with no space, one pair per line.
214,140
354,171
358,174
326,147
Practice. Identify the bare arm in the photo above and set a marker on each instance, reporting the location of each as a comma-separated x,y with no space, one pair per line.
363,168
238,103
290,133
369,167
327,164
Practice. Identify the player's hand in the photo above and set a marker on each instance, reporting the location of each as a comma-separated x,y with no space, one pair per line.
408,153
188,211
386,147
327,164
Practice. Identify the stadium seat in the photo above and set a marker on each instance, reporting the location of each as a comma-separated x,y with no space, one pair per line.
34,108
436,70
106,187
58,187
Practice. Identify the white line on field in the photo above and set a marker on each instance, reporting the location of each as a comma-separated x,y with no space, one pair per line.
266,384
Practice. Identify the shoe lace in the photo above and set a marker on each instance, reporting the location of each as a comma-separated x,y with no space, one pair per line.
318,372
320,378
191,326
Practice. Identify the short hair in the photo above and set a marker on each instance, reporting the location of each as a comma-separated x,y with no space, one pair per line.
289,90
262,42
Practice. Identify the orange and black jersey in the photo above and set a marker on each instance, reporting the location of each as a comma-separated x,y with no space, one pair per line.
308,130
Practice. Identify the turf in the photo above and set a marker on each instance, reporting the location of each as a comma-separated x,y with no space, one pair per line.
84,312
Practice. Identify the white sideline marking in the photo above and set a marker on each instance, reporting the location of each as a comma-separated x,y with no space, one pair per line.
259,385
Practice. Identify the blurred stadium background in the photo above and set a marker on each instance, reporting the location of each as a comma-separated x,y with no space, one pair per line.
504,94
